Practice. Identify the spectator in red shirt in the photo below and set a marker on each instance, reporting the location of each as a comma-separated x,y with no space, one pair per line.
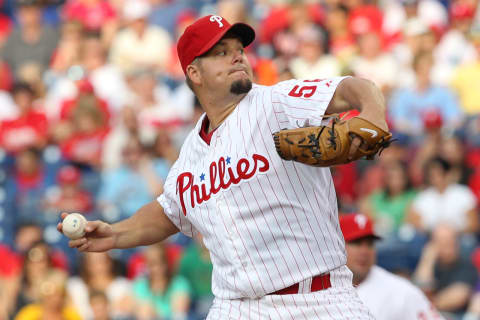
70,196
341,41
29,129
83,127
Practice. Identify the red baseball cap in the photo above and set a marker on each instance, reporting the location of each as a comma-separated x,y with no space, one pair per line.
204,33
355,226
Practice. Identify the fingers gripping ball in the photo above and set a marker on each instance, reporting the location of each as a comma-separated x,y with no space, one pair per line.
73,226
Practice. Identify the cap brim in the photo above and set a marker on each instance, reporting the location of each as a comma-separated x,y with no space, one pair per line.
244,31
356,237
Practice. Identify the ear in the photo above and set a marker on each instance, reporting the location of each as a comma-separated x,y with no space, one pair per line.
194,73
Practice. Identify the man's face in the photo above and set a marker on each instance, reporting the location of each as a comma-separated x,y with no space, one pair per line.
360,257
226,67
30,15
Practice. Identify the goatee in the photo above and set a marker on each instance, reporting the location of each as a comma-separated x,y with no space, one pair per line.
241,86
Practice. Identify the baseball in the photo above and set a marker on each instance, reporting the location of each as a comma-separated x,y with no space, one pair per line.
73,226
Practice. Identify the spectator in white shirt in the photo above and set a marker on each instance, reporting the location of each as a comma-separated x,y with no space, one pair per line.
443,201
140,44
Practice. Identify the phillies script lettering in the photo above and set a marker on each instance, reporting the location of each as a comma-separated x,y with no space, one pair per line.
219,179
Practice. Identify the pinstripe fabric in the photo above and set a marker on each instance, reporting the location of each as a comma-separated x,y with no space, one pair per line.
268,223
340,302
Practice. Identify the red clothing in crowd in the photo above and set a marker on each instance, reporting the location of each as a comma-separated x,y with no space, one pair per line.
31,181
81,201
365,19
280,18
68,106
91,16
85,147
10,262
26,131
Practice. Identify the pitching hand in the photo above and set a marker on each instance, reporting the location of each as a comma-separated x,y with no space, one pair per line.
98,236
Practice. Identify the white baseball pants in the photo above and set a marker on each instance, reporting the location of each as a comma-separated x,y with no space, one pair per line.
340,302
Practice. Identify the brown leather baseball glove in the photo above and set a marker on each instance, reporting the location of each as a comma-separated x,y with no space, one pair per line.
330,145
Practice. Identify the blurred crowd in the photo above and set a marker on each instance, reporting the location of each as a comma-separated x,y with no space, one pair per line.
94,109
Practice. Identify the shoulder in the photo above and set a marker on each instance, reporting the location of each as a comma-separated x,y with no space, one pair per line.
394,283
459,189
462,193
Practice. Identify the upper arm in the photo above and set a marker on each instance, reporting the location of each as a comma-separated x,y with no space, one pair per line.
349,93
304,102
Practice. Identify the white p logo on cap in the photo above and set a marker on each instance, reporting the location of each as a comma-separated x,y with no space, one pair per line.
218,19
361,221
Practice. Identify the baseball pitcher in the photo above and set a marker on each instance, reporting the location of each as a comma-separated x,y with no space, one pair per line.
253,178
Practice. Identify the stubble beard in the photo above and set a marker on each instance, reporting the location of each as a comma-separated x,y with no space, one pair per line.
241,86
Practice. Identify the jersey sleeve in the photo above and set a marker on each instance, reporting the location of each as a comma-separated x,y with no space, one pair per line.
299,103
171,208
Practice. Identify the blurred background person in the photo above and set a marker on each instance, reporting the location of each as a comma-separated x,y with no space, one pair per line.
388,206
38,263
408,107
374,64
443,202
196,267
99,272
69,195
53,301
95,16
26,186
133,184
29,128
454,48
388,296
446,276
31,41
160,293
140,44
312,60
468,91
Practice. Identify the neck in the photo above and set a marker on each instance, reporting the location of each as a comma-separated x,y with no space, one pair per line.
218,110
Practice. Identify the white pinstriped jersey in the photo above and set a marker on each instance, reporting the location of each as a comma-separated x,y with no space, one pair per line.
268,223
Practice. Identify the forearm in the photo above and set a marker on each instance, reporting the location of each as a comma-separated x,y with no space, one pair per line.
147,226
452,298
424,274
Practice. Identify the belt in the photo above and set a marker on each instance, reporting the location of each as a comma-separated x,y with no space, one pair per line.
320,282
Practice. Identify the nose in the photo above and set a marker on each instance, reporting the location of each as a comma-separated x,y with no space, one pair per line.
237,57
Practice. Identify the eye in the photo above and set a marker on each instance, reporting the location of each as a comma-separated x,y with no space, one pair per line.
242,51
221,53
